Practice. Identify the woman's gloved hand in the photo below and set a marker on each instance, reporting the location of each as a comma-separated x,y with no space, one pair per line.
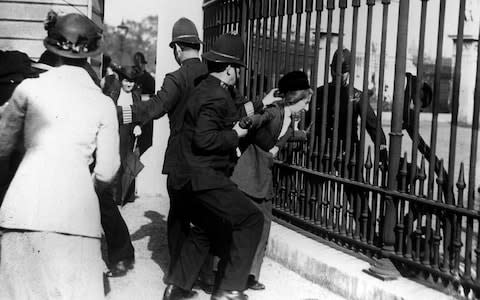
137,130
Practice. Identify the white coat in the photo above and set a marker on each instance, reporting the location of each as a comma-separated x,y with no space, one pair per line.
63,118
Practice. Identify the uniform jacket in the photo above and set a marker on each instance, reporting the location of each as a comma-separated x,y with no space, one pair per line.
208,141
171,99
146,82
371,119
63,117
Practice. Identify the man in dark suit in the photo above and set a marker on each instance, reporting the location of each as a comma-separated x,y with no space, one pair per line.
210,138
143,79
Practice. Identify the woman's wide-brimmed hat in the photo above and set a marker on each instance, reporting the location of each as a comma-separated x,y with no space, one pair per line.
229,49
293,81
184,31
72,35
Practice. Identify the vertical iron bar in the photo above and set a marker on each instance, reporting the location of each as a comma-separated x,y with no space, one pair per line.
306,45
396,125
437,237
250,57
258,11
365,101
457,222
402,189
338,190
364,216
338,81
455,101
416,121
271,62
263,57
421,176
472,170
314,76
351,84
298,10
381,80
244,34
353,163
436,97
289,35
351,87
323,128
281,13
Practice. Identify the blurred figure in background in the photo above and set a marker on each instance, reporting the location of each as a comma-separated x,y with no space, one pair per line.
143,79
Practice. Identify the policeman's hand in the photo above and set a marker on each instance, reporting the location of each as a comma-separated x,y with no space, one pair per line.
241,132
245,122
270,98
274,151
383,157
137,131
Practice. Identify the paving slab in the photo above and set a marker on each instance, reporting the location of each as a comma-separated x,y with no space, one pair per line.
146,219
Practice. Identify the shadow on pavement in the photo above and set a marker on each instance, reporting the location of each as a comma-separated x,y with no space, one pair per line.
156,230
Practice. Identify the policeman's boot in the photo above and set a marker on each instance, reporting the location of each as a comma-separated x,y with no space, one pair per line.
173,292
229,295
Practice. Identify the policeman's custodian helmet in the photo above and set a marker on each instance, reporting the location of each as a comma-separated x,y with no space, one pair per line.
345,61
228,48
184,31
72,35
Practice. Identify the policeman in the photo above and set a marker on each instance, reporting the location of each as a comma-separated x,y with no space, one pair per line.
171,99
143,79
211,133
371,118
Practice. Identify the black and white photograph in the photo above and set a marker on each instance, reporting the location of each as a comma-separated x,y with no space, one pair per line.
239,149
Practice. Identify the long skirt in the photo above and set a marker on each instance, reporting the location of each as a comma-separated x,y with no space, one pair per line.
45,265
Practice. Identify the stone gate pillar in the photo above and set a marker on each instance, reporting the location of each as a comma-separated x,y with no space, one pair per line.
469,61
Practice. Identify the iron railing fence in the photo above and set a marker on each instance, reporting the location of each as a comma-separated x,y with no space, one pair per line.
419,207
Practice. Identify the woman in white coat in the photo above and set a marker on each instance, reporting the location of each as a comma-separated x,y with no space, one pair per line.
50,218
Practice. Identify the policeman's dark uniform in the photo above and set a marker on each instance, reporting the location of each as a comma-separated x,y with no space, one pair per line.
371,123
209,147
172,99
144,80
371,118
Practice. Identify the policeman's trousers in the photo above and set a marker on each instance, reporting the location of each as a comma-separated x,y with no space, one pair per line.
231,226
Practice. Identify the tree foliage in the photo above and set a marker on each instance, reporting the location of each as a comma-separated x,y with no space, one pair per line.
141,36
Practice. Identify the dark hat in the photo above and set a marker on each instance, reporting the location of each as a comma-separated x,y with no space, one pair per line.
293,81
184,31
127,72
228,48
46,61
140,56
345,61
72,35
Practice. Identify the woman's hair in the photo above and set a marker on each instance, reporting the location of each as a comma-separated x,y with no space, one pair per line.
292,97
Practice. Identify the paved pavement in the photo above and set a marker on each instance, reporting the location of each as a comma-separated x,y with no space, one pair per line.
146,218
